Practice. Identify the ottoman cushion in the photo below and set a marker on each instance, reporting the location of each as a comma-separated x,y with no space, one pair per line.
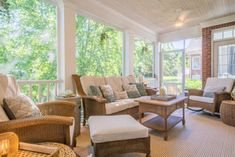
115,128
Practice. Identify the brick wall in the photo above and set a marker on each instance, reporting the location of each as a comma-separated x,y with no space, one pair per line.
206,49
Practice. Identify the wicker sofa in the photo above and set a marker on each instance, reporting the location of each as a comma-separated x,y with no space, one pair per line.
55,126
99,106
196,98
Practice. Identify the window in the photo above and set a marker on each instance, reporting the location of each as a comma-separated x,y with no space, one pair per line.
226,61
224,53
223,33
28,39
143,58
195,62
181,65
99,48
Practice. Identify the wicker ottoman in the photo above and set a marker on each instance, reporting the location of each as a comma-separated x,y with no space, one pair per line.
118,134
227,112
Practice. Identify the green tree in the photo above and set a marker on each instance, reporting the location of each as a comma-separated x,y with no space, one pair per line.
99,48
28,39
143,58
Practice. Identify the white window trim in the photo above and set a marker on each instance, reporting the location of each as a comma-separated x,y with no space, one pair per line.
199,67
214,60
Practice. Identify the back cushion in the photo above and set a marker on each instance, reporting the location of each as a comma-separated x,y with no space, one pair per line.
115,82
222,82
86,81
8,87
99,81
3,115
126,80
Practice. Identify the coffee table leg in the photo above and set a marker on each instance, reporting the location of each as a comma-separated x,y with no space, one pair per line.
183,110
140,116
165,132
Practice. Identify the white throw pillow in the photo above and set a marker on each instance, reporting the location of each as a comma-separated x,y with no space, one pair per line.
20,107
120,95
209,91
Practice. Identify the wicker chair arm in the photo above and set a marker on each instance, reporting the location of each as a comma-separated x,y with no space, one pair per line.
196,92
28,122
151,91
42,129
95,98
220,96
59,108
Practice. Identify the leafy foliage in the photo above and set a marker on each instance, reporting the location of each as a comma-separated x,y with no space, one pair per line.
99,48
143,58
28,39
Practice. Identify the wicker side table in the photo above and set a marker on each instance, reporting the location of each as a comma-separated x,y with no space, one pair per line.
77,100
227,112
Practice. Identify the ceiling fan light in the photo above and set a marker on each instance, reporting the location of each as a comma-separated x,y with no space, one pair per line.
179,23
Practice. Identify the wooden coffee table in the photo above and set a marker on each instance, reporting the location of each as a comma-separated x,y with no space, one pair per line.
164,121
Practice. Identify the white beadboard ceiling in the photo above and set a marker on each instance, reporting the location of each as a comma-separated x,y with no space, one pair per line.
161,15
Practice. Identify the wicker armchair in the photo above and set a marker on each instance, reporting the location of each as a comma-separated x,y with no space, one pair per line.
96,105
196,98
54,126
43,129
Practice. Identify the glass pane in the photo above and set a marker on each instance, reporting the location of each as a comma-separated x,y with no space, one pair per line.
175,45
228,33
223,60
99,48
218,36
223,50
172,72
226,63
143,58
193,53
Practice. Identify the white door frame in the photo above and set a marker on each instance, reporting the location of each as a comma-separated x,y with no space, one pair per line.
214,54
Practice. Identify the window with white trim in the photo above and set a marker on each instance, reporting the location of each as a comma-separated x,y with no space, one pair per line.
224,52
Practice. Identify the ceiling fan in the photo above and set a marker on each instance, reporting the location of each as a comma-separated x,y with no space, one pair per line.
182,16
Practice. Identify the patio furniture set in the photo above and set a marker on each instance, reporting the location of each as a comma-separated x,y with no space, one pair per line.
112,124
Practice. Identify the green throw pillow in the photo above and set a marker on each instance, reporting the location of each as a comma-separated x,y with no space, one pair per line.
94,91
108,93
132,91
141,89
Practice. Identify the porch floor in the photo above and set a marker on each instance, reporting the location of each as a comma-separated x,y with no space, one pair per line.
202,136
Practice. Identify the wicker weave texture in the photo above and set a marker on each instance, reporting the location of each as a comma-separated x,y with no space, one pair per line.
227,112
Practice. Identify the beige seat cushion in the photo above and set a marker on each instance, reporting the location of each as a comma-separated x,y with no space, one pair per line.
120,105
202,99
115,128
117,106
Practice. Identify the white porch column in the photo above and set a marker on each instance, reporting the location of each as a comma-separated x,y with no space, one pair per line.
128,55
157,63
66,40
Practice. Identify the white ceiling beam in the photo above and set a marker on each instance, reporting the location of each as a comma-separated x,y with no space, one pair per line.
218,21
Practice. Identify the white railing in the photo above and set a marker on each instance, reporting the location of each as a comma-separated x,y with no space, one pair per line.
50,88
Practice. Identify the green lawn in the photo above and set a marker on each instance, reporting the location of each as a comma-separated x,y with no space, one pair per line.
189,84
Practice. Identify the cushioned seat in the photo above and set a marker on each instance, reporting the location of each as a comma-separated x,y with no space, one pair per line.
202,99
122,104
116,106
115,128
